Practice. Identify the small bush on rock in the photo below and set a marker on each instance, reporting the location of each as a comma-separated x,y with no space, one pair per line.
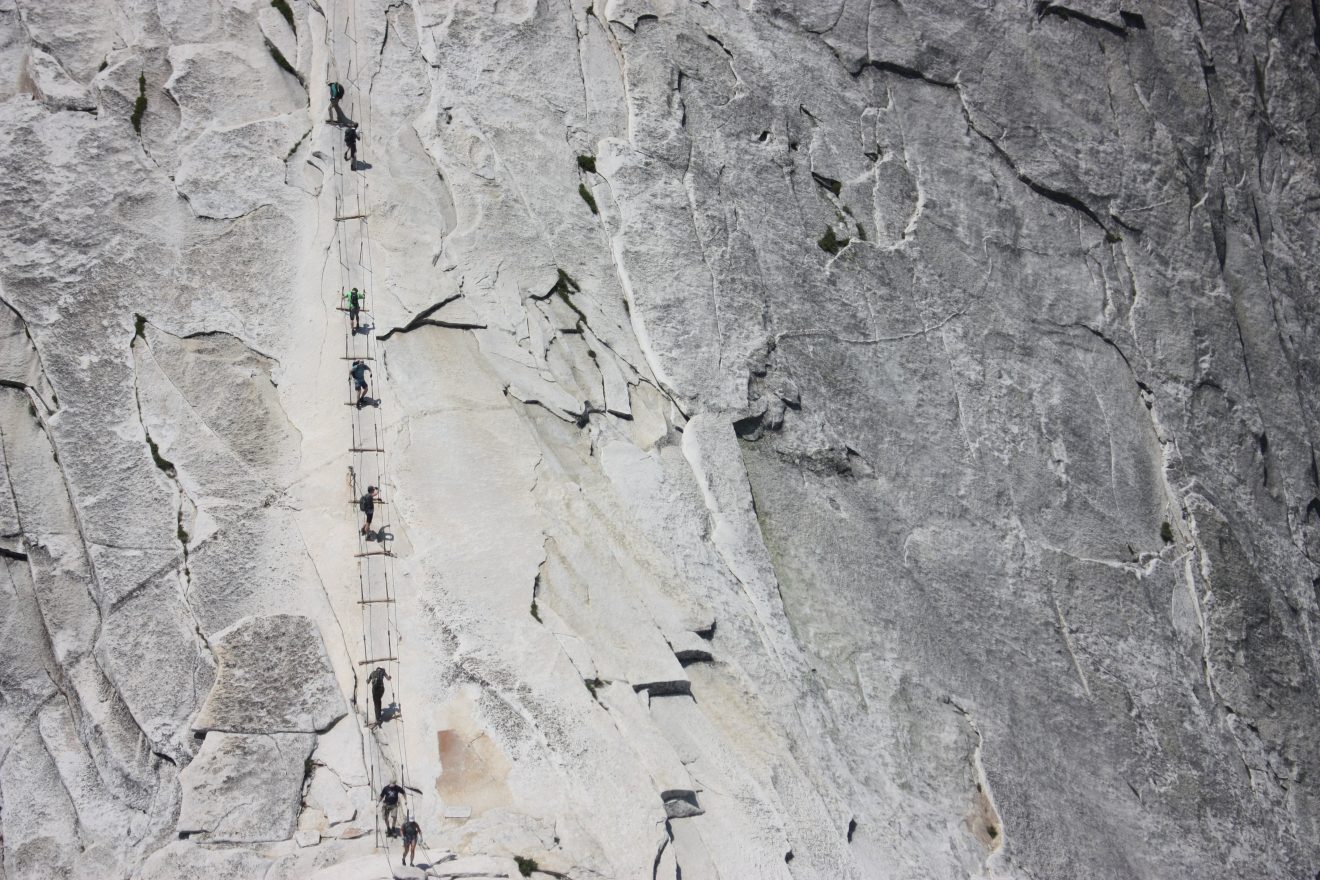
588,198
140,105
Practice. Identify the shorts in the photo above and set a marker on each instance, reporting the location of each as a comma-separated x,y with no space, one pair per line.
360,384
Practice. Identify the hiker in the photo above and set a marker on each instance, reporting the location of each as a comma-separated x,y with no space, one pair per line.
351,142
389,805
359,373
412,832
377,681
336,95
368,506
354,306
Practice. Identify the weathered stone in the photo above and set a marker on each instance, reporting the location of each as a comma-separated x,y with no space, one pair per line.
244,788
185,858
958,359
273,677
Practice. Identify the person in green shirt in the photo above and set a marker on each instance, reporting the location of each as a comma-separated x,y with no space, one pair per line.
354,300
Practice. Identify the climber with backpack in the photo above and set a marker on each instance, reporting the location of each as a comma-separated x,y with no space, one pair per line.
354,300
367,504
337,116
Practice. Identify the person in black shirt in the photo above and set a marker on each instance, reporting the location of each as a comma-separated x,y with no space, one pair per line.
377,679
367,504
412,832
390,797
358,373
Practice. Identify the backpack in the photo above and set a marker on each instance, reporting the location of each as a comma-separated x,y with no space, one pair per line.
336,91
365,504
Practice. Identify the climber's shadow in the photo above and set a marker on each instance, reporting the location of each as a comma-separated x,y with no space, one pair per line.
360,165
364,329
367,401
380,536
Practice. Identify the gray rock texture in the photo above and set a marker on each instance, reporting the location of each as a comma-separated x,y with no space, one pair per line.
273,677
823,438
244,788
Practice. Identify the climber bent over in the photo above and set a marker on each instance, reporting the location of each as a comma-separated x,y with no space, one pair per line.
389,805
351,142
359,372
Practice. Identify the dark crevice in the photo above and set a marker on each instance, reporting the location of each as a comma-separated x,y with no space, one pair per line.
1315,17
1061,198
284,64
668,839
687,656
1043,9
852,829
665,688
22,557
1263,442
1098,334
828,183
19,386
421,317
908,73
749,427
283,7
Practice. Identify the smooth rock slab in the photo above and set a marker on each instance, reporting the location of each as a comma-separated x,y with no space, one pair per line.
185,859
274,678
244,788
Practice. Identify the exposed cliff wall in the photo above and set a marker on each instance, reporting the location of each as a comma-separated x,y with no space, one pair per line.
825,439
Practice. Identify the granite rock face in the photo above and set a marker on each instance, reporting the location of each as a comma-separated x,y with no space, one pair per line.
273,677
243,788
823,438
